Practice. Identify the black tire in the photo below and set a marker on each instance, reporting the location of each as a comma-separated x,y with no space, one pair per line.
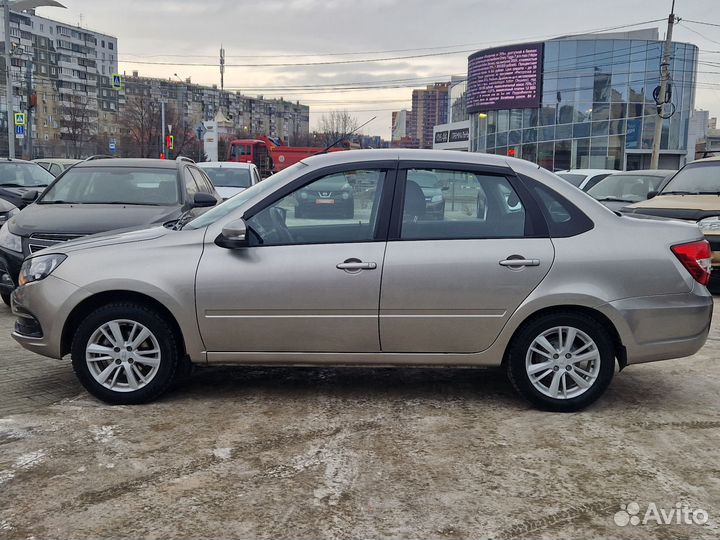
6,298
168,343
521,342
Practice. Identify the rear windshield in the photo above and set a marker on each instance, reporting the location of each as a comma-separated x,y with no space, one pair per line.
24,175
228,177
110,185
574,179
696,179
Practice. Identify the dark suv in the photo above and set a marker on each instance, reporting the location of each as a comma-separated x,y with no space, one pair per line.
98,196
331,197
18,177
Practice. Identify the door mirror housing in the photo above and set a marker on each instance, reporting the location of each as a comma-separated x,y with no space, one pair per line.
203,200
233,235
30,196
652,194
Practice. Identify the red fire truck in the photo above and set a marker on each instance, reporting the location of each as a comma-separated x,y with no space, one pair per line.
270,155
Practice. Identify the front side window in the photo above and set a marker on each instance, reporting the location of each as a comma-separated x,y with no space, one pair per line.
337,208
110,185
446,204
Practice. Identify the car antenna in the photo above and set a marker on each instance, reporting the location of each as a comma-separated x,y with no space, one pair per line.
345,136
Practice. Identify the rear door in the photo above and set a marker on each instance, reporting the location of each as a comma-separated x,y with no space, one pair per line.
467,245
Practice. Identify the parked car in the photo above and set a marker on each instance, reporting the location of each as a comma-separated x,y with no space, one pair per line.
7,210
693,195
229,177
102,195
585,178
56,166
432,189
331,197
18,177
623,188
554,292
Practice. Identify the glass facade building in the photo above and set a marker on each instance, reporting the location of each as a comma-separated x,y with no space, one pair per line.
597,108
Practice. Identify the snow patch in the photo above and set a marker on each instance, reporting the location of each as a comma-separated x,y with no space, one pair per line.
103,434
30,459
222,453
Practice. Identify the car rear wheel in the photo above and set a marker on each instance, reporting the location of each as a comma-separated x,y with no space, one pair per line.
561,362
125,353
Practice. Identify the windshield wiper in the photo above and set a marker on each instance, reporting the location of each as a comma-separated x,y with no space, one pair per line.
615,199
708,193
677,193
11,184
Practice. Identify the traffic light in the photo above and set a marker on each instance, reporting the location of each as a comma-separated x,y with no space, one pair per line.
170,142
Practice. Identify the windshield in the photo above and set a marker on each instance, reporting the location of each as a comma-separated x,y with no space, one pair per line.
115,185
266,186
696,178
24,175
574,179
228,177
626,187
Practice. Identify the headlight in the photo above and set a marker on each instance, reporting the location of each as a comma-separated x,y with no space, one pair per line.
39,268
710,225
10,241
436,198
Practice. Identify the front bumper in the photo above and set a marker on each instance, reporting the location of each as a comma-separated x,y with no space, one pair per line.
42,309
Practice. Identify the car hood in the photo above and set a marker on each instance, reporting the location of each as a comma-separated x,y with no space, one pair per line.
692,202
87,218
227,192
123,236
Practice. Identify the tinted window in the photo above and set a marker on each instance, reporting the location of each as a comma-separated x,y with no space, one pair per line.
24,175
190,183
699,178
202,182
332,209
228,177
445,204
109,185
563,218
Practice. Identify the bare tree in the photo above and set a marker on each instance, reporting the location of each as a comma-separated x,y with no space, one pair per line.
140,119
75,123
335,125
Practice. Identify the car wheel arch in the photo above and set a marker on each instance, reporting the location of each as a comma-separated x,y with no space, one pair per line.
93,302
599,317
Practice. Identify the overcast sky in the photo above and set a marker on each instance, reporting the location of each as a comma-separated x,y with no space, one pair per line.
259,31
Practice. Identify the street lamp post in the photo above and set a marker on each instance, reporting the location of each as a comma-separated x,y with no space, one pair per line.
18,5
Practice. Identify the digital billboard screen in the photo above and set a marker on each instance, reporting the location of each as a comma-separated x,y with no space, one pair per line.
505,78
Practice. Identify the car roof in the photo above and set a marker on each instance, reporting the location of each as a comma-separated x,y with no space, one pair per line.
352,156
706,160
646,172
62,161
588,172
224,165
131,162
15,160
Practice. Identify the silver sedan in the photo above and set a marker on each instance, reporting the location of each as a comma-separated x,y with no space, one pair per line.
519,270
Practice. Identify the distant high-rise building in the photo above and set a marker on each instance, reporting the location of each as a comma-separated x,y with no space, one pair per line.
429,108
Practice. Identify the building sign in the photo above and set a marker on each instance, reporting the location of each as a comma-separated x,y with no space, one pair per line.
505,78
460,135
441,137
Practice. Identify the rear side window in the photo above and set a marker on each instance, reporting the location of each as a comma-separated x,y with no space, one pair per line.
563,218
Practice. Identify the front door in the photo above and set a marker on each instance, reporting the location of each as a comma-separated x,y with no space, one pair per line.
465,258
310,280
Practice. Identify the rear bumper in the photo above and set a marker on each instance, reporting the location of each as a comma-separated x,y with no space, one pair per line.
662,327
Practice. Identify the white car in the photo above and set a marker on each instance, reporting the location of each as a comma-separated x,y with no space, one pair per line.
585,178
230,178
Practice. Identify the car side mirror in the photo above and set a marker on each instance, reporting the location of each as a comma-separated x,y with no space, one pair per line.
30,196
233,235
652,194
203,200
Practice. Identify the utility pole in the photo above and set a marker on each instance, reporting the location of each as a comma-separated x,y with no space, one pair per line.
28,118
162,121
664,78
8,82
222,68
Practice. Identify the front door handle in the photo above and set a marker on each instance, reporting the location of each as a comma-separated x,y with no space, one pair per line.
517,263
355,265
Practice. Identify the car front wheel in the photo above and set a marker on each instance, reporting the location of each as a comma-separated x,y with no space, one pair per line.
125,353
561,362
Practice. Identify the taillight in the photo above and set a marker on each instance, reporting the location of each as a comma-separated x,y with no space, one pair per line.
696,257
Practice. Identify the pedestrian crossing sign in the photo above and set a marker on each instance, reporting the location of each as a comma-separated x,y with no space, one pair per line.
20,119
117,81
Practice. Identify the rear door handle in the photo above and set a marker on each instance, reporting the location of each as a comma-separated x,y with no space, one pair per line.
516,263
356,266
